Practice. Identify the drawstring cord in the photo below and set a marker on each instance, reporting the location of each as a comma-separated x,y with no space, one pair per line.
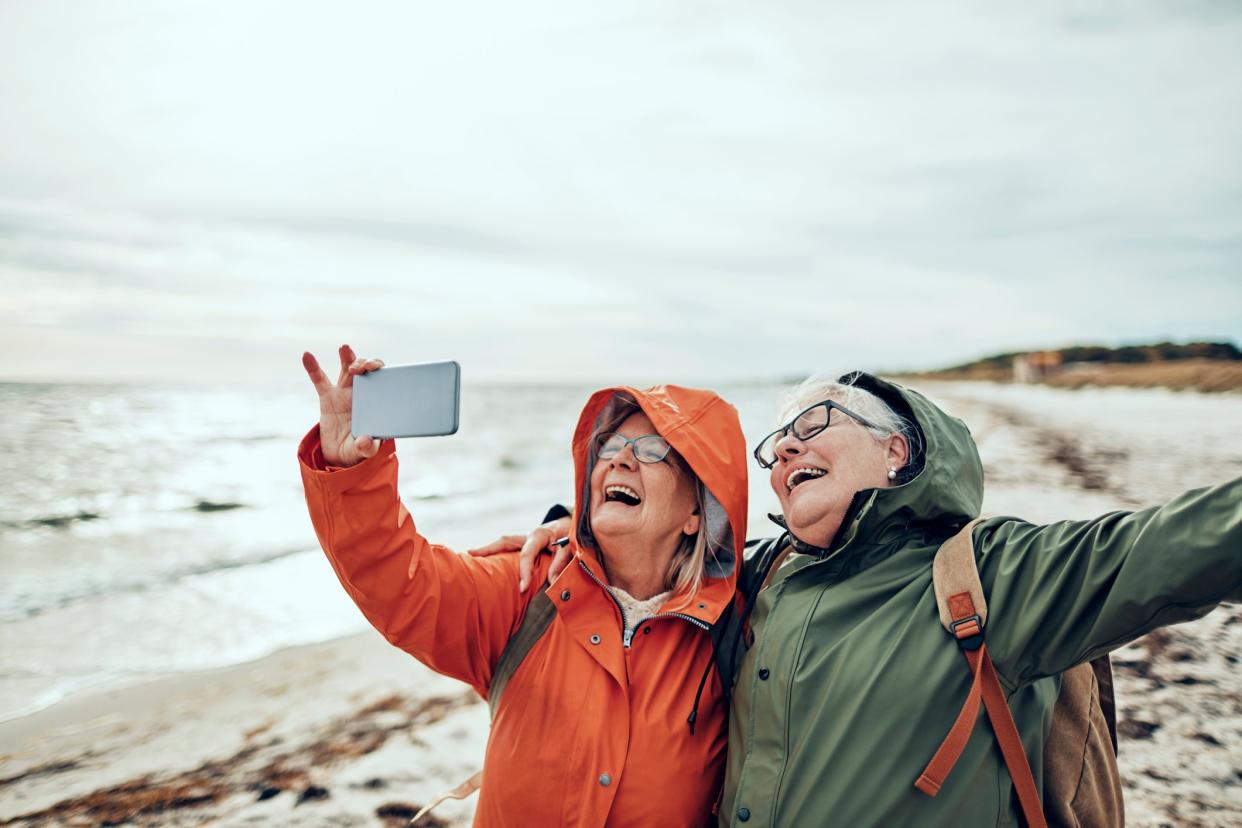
698,694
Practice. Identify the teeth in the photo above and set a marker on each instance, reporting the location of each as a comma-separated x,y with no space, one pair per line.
802,474
625,490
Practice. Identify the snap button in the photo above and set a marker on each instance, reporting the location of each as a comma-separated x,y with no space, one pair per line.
595,639
702,605
565,595
605,780
646,630
743,814
764,673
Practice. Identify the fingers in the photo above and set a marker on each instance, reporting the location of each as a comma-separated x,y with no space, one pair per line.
536,542
360,366
315,372
347,356
560,560
367,445
505,543
351,366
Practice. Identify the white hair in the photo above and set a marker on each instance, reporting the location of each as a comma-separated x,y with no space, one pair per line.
885,421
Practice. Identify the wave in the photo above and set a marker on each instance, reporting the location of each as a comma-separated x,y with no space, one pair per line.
53,521
166,579
67,521
213,506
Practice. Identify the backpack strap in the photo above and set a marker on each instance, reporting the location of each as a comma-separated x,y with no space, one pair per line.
539,614
954,575
963,612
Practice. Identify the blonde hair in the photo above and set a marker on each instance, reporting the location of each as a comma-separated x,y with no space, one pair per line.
688,566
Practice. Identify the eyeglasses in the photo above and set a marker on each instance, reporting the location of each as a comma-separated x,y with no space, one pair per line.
806,425
649,448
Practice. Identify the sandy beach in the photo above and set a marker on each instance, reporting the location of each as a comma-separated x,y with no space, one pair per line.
354,732
348,732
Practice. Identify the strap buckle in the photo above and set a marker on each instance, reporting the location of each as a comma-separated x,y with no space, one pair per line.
968,632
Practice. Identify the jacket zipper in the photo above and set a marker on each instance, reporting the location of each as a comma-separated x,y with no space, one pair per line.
627,634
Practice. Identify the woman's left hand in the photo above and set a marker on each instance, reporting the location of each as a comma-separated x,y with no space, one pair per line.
529,546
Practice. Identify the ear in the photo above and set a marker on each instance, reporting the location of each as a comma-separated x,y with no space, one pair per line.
897,455
691,526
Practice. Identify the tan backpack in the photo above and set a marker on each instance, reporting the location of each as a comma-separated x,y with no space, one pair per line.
1082,785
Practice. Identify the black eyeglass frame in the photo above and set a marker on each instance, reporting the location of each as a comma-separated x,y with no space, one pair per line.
605,436
814,431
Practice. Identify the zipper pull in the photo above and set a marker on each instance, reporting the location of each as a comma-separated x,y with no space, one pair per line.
627,637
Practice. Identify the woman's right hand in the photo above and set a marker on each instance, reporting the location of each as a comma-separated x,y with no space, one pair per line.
336,407
540,538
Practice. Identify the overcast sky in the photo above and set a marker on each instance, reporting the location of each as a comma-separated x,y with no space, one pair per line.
640,191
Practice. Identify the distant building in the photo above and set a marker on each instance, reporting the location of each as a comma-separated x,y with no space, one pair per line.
1036,365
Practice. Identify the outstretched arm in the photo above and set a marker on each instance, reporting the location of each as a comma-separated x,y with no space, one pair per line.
1062,594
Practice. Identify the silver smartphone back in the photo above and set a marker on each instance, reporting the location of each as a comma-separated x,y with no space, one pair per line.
407,400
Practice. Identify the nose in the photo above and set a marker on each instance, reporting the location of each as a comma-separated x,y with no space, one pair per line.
625,457
788,446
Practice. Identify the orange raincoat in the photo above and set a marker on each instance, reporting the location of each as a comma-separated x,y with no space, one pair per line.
589,731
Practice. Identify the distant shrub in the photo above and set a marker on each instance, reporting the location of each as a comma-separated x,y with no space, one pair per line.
1100,354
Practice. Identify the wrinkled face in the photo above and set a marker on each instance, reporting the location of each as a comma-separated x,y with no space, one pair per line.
653,503
816,480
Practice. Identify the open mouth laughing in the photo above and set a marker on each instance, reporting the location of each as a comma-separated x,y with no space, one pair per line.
616,493
801,474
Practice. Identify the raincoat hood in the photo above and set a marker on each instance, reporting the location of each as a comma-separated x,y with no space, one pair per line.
947,486
705,431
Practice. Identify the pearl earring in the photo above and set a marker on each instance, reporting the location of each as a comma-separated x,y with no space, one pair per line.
892,474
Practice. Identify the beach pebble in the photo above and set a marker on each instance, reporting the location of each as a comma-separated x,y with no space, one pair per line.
311,793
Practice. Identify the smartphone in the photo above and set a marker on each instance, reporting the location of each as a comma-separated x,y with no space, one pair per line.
407,401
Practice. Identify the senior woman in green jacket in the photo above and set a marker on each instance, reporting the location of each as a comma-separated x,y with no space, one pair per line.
851,682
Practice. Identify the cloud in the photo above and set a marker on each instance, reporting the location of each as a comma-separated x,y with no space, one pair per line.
682,188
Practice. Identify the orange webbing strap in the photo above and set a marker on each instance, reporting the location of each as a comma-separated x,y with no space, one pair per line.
951,748
984,687
1010,741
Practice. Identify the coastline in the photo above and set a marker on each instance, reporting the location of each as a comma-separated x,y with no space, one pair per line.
1207,376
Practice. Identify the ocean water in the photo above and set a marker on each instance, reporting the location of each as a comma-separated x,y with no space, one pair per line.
148,530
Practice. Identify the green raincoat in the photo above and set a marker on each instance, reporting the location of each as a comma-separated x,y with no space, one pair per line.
851,683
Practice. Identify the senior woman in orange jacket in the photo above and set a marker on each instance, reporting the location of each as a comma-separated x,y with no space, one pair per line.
591,729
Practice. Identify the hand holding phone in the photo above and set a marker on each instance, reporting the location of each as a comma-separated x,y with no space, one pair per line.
336,402
405,401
